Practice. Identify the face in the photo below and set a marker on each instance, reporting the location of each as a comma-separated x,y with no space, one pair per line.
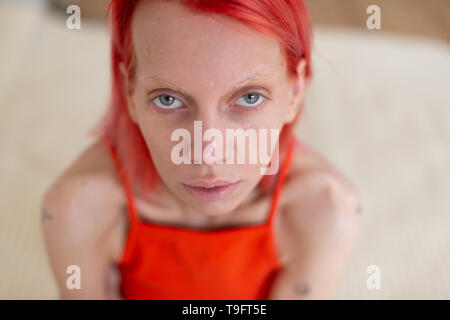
196,67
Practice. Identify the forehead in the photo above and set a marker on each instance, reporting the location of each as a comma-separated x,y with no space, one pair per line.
171,41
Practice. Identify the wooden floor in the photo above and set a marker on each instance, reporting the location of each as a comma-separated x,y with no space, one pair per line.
429,18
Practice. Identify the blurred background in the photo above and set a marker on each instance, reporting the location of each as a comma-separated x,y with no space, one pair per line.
378,109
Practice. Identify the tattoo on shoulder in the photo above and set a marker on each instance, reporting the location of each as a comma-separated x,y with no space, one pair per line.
45,216
302,289
359,210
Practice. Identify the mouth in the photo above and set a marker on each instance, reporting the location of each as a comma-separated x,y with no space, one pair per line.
211,191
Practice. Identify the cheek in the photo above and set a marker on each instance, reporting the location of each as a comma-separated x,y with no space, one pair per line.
271,121
155,131
274,113
282,100
157,139
160,150
282,109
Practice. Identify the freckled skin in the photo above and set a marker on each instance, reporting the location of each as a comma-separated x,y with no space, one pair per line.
206,67
85,220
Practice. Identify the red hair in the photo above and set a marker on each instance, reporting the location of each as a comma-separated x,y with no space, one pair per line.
287,21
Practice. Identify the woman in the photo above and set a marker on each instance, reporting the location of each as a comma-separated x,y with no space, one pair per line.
144,215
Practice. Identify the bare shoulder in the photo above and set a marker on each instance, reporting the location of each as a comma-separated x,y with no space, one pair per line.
86,197
310,168
318,225
81,221
318,200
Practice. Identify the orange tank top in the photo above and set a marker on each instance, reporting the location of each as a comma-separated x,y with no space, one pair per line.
164,262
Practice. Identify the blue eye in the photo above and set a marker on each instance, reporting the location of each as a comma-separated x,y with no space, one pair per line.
166,102
251,99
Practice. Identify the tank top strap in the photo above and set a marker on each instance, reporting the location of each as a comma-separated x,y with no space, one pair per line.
129,195
280,181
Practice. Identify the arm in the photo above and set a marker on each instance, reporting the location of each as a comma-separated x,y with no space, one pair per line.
326,224
76,234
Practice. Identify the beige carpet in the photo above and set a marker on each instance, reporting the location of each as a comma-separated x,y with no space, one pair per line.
379,109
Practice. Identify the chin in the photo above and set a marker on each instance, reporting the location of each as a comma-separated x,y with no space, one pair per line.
213,209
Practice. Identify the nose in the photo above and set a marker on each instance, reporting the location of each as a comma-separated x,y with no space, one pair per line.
209,139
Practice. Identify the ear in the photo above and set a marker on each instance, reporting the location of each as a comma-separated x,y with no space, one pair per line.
128,91
298,86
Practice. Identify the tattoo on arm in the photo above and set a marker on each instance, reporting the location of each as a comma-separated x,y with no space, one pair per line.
302,289
45,216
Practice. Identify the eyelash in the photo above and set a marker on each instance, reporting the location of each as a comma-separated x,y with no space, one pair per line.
245,109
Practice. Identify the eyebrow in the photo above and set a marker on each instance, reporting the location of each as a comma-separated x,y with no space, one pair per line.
251,78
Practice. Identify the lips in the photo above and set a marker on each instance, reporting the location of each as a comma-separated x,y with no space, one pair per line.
210,190
209,183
